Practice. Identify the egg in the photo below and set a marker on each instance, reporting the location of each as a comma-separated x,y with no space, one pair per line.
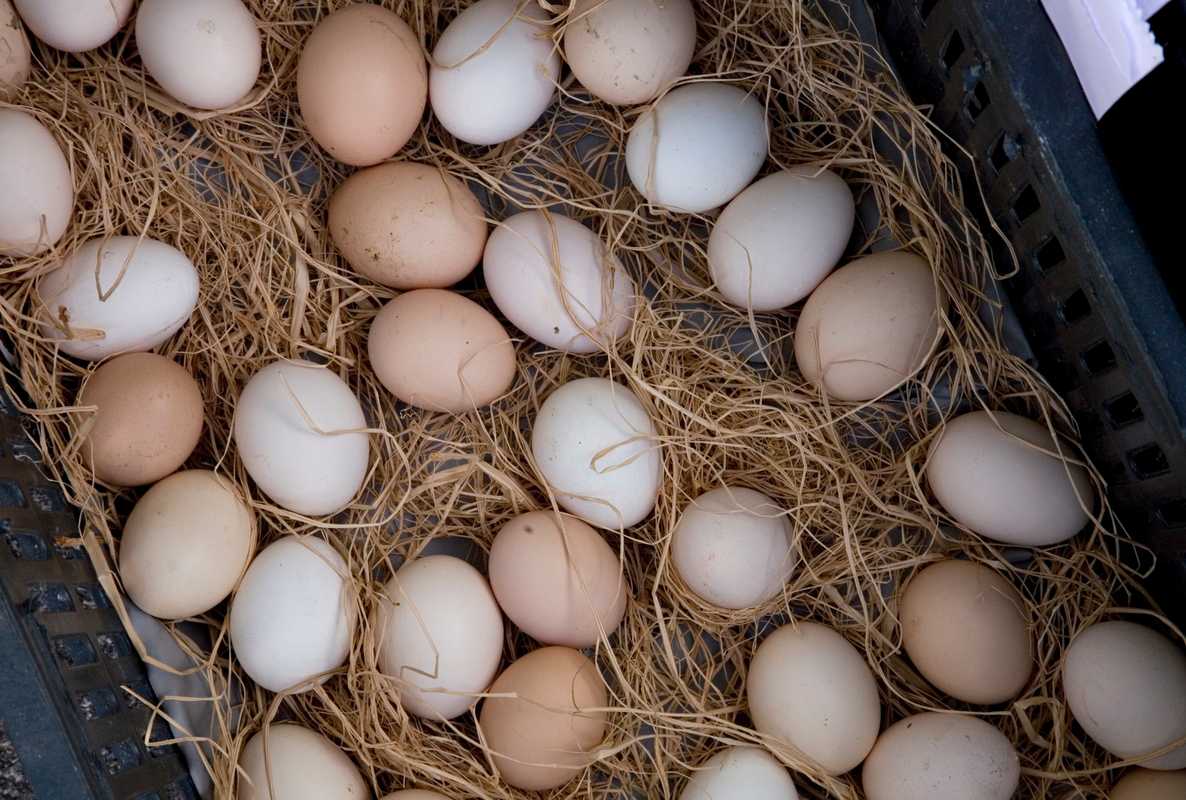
967,630
810,688
740,773
15,58
775,242
698,147
294,763
869,326
407,225
292,617
362,84
494,71
996,474
185,545
438,350
76,26
732,546
546,734
146,291
1122,683
440,635
557,579
936,756
596,448
148,418
221,35
552,277
38,196
290,431
1145,784
626,52
414,794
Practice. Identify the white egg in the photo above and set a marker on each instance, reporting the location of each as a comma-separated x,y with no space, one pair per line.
780,237
145,291
289,430
741,773
732,546
291,618
698,147
176,36
38,194
440,635
491,80
595,446
551,276
74,26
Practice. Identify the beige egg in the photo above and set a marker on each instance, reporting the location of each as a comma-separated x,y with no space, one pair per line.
990,473
557,579
966,629
1146,784
15,58
869,326
810,688
38,195
407,225
362,84
627,51
438,350
298,764
545,736
941,757
185,545
149,418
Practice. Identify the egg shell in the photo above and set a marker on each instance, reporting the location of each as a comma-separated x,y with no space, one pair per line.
557,579
732,547
627,51
438,350
869,326
1124,684
1146,784
150,290
407,225
15,58
362,84
491,80
809,687
935,756
440,635
149,418
292,617
185,545
545,735
594,445
74,26
775,242
305,468
740,773
301,765
990,473
221,35
551,277
414,794
38,196
966,629
697,147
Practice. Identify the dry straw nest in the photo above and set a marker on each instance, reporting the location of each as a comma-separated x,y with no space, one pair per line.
243,193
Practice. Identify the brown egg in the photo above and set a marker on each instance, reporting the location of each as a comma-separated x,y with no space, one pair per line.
966,629
438,350
362,84
870,325
185,545
545,736
1147,784
560,585
149,418
407,225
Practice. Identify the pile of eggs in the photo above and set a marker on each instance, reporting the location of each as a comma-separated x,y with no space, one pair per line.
865,328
